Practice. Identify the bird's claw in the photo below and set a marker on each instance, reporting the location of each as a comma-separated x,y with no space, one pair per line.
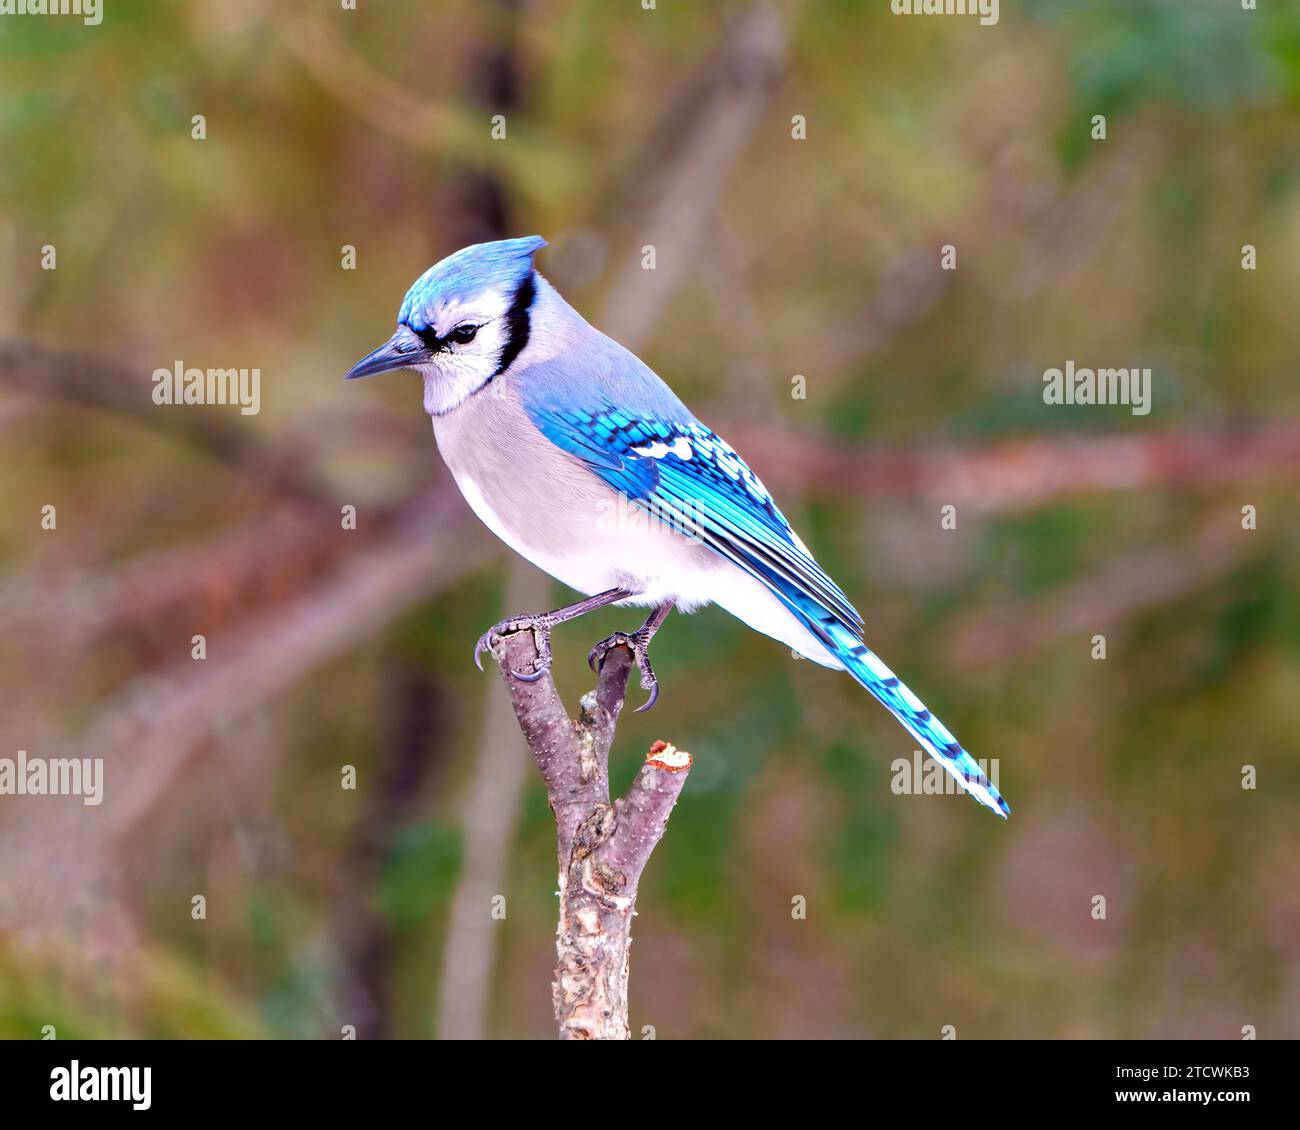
539,625
638,643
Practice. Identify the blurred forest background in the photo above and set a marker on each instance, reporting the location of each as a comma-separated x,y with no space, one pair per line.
328,647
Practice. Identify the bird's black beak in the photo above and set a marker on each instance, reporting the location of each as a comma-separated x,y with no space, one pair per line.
400,351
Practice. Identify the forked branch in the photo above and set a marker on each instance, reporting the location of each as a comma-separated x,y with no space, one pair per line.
602,847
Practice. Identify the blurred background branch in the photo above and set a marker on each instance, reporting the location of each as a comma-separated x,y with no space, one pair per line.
1025,473
97,383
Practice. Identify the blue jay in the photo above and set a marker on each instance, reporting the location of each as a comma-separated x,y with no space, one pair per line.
574,453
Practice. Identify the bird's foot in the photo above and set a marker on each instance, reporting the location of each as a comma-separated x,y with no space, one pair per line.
540,624
638,643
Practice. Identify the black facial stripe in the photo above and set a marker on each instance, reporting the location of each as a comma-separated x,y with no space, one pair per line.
431,340
517,324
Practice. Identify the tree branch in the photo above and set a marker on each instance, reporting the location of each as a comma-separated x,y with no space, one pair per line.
602,848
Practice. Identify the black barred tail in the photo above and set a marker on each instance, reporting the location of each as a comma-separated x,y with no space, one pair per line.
866,667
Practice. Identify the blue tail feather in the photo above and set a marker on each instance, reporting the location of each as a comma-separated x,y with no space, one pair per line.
872,674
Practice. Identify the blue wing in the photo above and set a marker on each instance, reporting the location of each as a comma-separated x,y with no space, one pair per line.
685,474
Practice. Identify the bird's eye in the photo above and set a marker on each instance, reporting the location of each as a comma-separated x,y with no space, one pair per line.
463,335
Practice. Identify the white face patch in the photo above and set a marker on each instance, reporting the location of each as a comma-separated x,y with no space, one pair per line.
458,371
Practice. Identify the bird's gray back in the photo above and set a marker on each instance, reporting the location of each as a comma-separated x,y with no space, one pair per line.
568,363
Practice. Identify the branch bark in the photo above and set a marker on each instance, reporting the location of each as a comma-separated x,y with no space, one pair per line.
602,848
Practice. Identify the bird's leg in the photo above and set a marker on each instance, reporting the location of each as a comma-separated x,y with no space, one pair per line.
638,643
540,624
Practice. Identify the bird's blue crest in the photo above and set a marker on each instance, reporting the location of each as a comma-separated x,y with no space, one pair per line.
467,273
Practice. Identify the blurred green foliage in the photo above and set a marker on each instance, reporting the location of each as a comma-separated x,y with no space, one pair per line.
922,911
